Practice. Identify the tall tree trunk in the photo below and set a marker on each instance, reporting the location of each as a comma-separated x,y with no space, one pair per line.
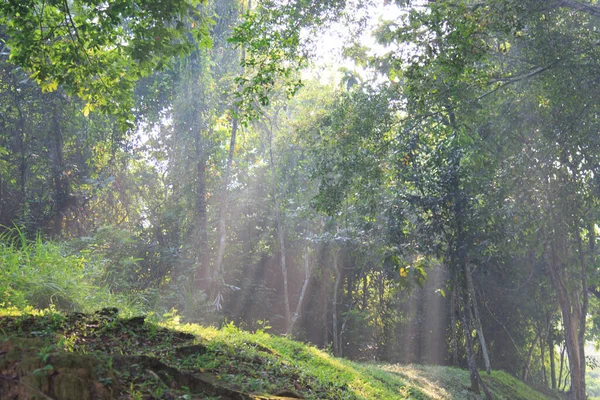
552,361
307,270
584,307
454,340
202,228
222,225
562,364
336,344
280,233
476,381
459,262
61,184
365,292
571,314
381,320
325,299
22,151
204,274
526,367
543,359
477,320
470,356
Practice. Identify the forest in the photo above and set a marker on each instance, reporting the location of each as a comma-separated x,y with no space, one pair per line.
398,181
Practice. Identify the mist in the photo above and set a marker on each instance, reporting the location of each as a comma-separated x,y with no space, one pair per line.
406,183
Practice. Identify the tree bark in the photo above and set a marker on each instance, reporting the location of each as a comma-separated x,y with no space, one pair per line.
61,182
526,367
562,364
20,123
458,257
571,314
202,215
543,359
307,270
454,340
470,357
336,344
204,275
478,327
476,381
552,361
584,301
280,233
325,299
222,225
365,292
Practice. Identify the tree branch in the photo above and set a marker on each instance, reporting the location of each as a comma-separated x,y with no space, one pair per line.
577,6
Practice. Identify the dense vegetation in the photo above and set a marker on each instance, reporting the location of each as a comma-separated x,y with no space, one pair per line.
436,201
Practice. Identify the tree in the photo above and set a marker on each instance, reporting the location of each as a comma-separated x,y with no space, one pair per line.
470,58
98,51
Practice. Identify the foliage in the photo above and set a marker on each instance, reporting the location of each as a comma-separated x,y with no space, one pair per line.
44,274
271,38
98,51
38,274
446,193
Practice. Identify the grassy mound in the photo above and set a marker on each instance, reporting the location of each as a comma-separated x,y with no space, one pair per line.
102,356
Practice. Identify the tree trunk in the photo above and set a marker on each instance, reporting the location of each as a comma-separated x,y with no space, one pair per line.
336,344
552,361
454,340
459,264
476,381
473,303
571,314
22,151
584,307
562,364
543,359
325,299
307,269
222,225
61,182
205,272
526,367
280,234
365,292
470,357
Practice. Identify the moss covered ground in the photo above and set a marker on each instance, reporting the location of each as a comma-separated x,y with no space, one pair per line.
102,356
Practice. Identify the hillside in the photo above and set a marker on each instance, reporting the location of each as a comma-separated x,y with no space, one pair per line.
102,356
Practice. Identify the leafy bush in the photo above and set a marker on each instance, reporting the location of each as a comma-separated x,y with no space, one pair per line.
39,274
44,274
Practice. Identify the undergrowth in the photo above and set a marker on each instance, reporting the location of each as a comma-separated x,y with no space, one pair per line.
44,274
88,274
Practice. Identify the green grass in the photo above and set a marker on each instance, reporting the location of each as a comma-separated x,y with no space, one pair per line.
452,383
248,362
46,274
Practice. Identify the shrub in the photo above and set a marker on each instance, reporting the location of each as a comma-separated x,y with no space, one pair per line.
42,274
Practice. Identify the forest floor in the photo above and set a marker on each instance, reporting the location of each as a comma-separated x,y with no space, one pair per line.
49,355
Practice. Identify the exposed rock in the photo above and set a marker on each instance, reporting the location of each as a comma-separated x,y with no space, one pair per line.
30,369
